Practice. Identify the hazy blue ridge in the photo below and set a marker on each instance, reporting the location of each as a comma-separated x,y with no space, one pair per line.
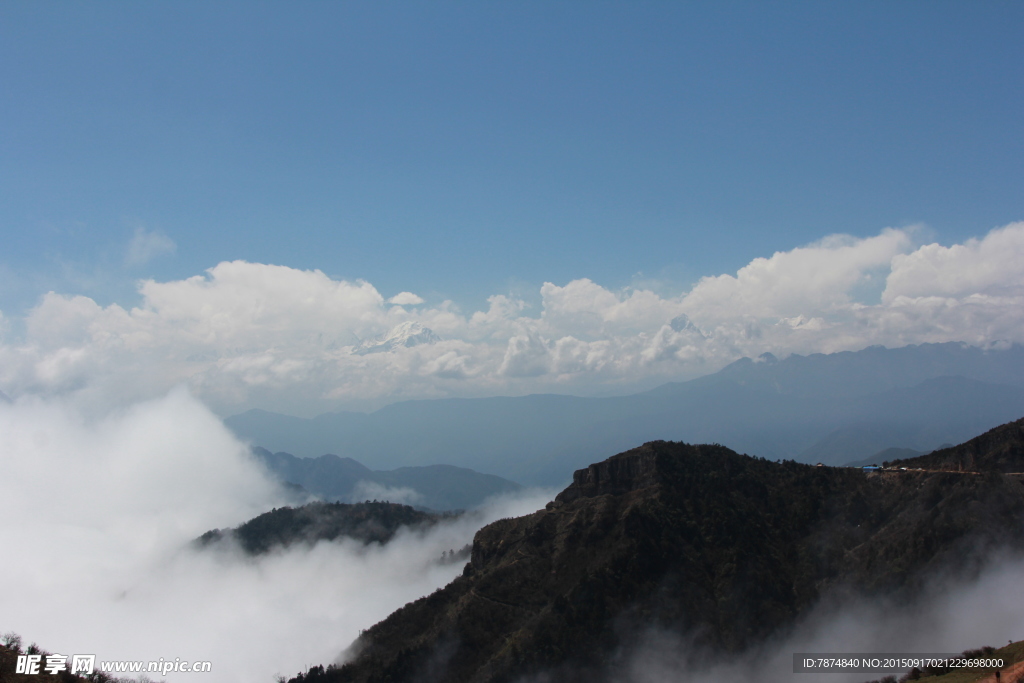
436,487
832,408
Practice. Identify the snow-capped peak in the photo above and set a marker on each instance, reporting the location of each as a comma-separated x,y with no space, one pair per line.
406,334
681,323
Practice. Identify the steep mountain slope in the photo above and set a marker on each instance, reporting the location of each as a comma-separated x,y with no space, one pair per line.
829,408
438,487
997,450
699,540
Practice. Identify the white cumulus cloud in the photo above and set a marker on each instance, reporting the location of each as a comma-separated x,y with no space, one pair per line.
818,277
406,299
257,335
986,267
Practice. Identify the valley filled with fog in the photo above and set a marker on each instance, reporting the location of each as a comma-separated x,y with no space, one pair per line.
99,514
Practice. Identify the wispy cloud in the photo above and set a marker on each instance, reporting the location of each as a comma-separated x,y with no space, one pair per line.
949,616
146,245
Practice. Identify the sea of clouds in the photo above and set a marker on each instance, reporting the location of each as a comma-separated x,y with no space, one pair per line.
255,335
98,514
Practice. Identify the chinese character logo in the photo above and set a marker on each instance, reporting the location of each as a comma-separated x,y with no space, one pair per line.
28,664
83,664
55,663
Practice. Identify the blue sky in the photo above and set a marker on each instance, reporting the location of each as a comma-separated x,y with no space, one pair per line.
464,151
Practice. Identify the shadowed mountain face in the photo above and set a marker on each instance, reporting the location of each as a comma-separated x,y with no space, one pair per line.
725,549
438,487
997,450
832,408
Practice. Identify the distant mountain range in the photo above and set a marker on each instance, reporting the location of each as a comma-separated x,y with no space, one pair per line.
833,408
435,487
724,550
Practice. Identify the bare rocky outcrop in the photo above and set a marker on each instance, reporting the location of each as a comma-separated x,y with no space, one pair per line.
629,471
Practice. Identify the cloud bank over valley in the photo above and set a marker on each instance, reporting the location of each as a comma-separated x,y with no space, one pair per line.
98,560
248,335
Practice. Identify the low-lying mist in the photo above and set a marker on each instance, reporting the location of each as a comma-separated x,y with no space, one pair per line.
98,515
949,617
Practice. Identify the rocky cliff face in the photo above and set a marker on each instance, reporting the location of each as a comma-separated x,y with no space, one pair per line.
630,471
724,548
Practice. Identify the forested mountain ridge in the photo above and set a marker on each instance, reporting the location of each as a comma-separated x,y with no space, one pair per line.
698,540
369,522
997,450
